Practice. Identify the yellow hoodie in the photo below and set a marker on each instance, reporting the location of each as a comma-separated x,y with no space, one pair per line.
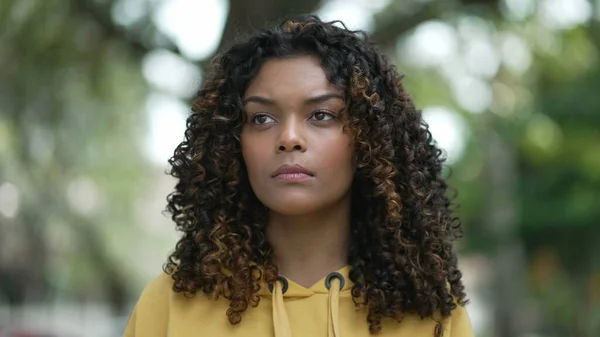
324,310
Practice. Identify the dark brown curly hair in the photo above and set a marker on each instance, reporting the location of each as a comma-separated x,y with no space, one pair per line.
401,253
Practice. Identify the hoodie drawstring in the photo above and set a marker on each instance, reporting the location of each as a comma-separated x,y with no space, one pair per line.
333,318
335,283
281,323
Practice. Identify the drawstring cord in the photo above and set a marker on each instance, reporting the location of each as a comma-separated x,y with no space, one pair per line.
281,323
333,318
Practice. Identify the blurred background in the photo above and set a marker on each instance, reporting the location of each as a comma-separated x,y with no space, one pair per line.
94,96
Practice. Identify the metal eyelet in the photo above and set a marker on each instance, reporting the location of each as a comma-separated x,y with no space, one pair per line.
332,276
284,281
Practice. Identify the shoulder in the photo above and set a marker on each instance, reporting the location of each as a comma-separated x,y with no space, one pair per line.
159,289
150,315
460,324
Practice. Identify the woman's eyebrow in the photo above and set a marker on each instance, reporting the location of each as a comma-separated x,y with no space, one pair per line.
258,99
311,100
323,98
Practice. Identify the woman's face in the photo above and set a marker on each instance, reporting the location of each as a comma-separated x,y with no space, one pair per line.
298,157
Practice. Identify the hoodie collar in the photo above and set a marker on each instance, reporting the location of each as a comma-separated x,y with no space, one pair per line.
293,289
335,285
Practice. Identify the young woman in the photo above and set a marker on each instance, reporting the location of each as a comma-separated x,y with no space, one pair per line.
310,199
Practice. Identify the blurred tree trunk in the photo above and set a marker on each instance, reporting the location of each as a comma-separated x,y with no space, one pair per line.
246,16
508,255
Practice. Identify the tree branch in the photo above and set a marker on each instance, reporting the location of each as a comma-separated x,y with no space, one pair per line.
101,15
396,20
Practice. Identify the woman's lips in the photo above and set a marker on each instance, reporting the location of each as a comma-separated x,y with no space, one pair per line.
292,173
295,177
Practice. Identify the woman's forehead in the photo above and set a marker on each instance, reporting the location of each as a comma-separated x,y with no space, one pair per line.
290,77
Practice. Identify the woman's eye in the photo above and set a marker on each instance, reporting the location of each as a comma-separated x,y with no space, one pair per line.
322,116
262,119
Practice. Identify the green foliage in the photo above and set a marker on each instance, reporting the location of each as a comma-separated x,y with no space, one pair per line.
72,125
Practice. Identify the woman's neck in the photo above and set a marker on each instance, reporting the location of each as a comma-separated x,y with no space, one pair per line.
306,248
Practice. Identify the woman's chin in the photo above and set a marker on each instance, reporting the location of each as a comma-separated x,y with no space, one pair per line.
294,207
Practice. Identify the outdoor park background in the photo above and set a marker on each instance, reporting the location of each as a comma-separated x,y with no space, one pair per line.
94,95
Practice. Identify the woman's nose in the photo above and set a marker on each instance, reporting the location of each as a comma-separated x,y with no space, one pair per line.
292,136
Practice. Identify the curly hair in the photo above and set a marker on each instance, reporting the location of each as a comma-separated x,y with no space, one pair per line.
400,253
